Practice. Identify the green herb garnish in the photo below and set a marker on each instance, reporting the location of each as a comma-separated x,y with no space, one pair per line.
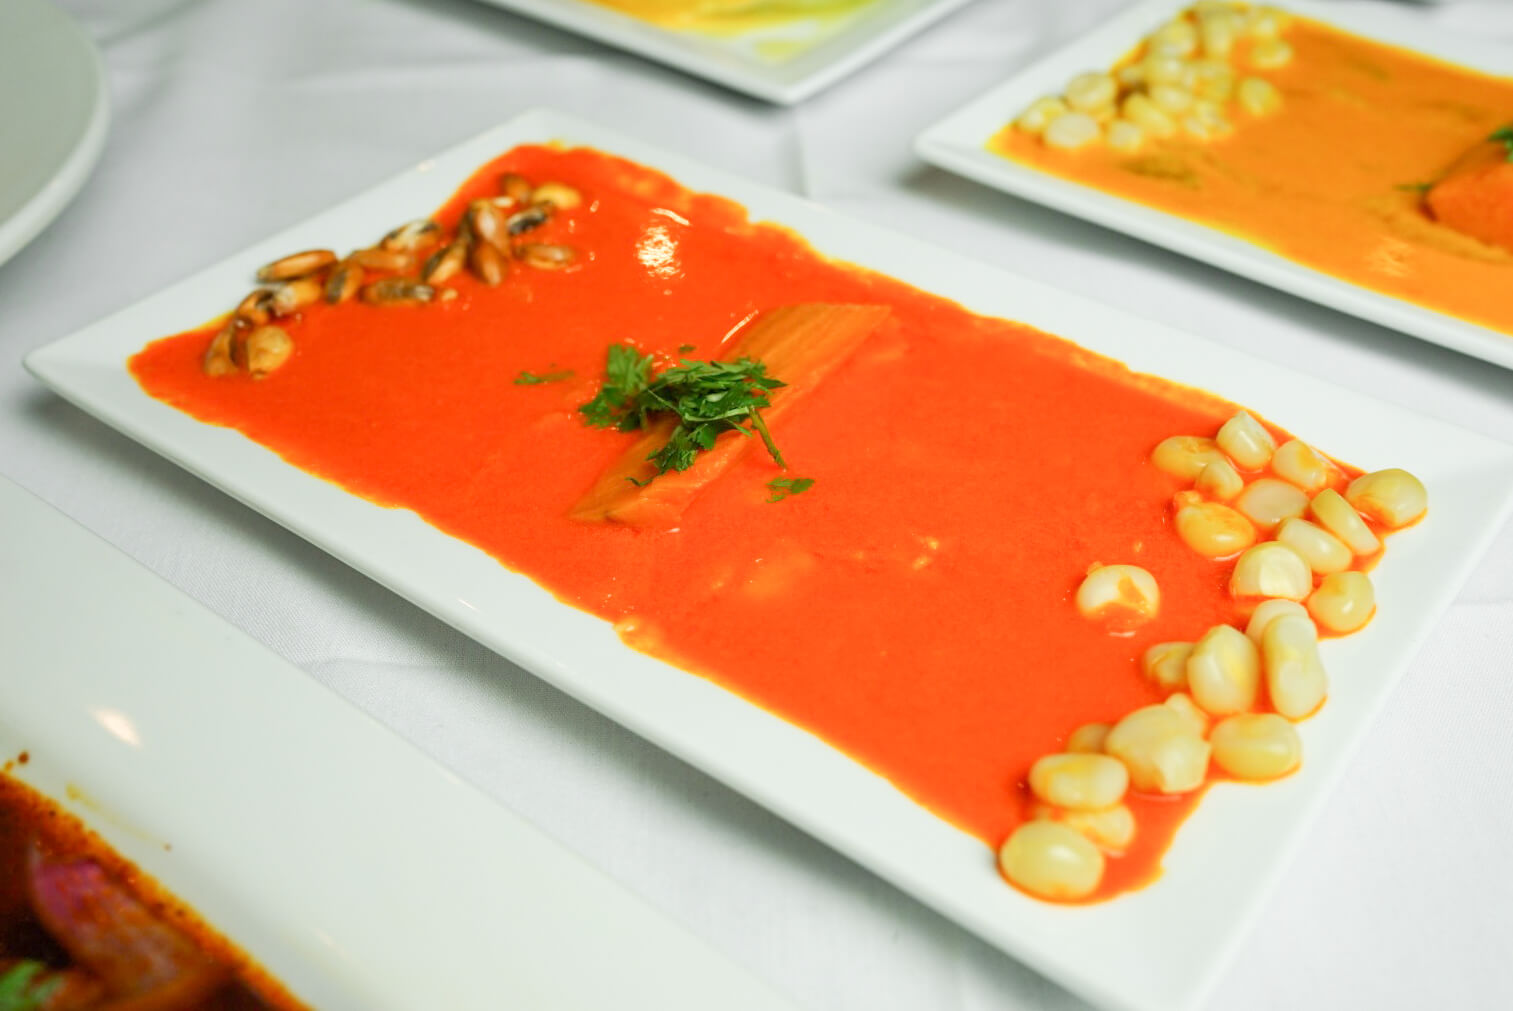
532,379
707,398
625,377
782,487
1415,187
17,992
1504,136
683,349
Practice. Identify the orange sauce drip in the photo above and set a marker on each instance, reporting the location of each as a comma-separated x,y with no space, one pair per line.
1331,179
913,608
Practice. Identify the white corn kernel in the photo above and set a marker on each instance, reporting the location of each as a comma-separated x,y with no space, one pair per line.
1131,75
1340,518
1246,441
1079,781
1218,33
1257,96
1269,54
1257,746
1300,464
1158,747
1175,38
1322,550
1271,570
1091,91
1202,124
1121,598
1072,130
1111,829
1171,98
1183,705
1343,603
1213,529
1213,80
1269,610
1039,115
1392,497
1165,663
1087,739
1185,456
1146,114
1295,679
1266,23
1224,671
1125,136
1266,502
1220,481
1161,69
1051,860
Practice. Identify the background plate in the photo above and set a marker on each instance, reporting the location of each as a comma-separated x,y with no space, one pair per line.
357,871
736,61
53,116
1154,950
958,143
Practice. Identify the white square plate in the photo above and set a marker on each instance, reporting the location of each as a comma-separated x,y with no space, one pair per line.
816,57
1158,948
150,719
959,143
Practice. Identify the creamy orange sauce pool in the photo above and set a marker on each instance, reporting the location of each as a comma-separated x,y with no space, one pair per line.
1334,178
912,608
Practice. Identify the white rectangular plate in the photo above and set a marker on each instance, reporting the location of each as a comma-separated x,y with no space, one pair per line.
288,819
1155,949
958,143
818,59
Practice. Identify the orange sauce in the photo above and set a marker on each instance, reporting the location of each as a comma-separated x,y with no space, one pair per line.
1333,179
913,608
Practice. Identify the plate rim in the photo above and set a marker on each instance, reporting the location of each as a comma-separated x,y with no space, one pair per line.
956,142
962,900
68,178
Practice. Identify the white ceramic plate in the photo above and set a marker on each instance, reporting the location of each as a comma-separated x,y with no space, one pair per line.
289,820
1155,949
958,143
53,116
816,57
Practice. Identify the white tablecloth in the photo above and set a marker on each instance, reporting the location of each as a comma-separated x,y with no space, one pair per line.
234,120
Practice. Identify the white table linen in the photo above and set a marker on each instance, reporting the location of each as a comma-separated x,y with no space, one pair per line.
234,120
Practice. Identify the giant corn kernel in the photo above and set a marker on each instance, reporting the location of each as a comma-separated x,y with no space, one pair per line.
1039,115
1051,860
1175,38
1171,98
1111,829
1322,550
1087,739
1300,464
1257,96
1266,612
1160,750
1394,498
1266,23
1224,671
1091,92
1121,598
1207,121
1247,442
1340,518
1267,502
1165,663
1183,705
1271,570
1125,136
1150,117
1213,529
1217,32
1164,69
1257,746
1071,130
1269,54
1079,782
1220,481
1213,80
1185,456
1295,677
1343,603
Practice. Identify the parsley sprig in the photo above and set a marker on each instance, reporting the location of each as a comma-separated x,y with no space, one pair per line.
1504,136
782,487
528,378
707,398
20,992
